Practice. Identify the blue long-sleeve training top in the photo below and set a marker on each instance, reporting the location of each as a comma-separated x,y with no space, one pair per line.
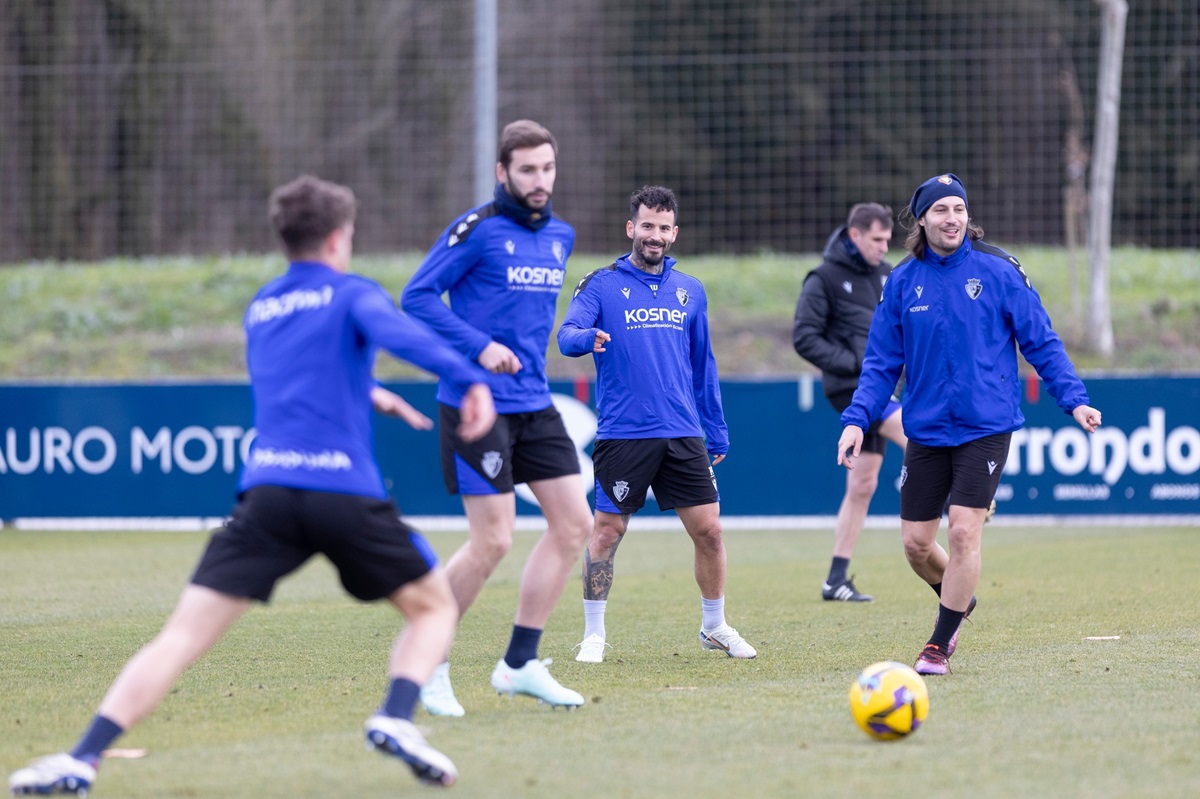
503,268
953,324
311,339
658,377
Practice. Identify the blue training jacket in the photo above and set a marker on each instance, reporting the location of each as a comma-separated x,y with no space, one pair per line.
503,277
658,377
311,339
951,324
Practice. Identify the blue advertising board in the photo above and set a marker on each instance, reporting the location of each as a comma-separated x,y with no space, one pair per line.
174,450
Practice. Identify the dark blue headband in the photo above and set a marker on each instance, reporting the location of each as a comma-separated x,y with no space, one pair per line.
934,189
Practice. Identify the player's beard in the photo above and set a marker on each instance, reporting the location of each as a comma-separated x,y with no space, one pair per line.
652,259
942,243
523,199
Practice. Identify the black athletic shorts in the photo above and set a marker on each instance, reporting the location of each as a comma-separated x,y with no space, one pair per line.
872,440
677,469
274,530
520,448
968,474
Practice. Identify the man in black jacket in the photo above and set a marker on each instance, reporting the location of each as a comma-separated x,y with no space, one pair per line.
833,316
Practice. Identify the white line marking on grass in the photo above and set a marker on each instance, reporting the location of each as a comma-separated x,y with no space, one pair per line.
126,754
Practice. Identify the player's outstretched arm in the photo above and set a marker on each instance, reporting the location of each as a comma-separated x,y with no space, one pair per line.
579,333
849,445
575,340
478,413
409,339
390,403
1088,417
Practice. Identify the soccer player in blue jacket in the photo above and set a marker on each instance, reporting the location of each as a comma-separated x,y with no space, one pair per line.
311,485
503,265
951,317
659,400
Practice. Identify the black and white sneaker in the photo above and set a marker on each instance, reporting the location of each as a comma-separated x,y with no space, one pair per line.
399,738
844,591
56,774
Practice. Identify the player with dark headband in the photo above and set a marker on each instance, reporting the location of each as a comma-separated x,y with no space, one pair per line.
951,318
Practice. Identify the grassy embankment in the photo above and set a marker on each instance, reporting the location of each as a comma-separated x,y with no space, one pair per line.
180,317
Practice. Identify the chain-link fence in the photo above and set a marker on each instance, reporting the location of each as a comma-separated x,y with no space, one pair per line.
140,127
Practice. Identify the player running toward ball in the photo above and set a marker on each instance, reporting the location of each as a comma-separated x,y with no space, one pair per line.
310,485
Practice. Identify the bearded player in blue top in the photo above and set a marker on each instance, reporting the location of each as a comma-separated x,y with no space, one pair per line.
646,325
951,317
502,266
310,485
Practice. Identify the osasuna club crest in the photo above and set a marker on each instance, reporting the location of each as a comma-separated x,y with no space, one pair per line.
560,252
491,464
681,295
620,490
974,288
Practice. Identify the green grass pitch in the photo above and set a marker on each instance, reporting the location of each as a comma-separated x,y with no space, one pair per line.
1034,707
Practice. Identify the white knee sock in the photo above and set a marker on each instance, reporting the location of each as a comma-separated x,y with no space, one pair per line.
593,617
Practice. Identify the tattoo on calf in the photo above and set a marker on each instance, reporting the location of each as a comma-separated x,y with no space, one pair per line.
597,577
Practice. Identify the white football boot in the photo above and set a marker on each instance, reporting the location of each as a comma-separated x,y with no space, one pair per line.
727,640
591,649
533,679
437,695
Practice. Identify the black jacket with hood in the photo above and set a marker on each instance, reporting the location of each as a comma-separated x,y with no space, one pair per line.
833,314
